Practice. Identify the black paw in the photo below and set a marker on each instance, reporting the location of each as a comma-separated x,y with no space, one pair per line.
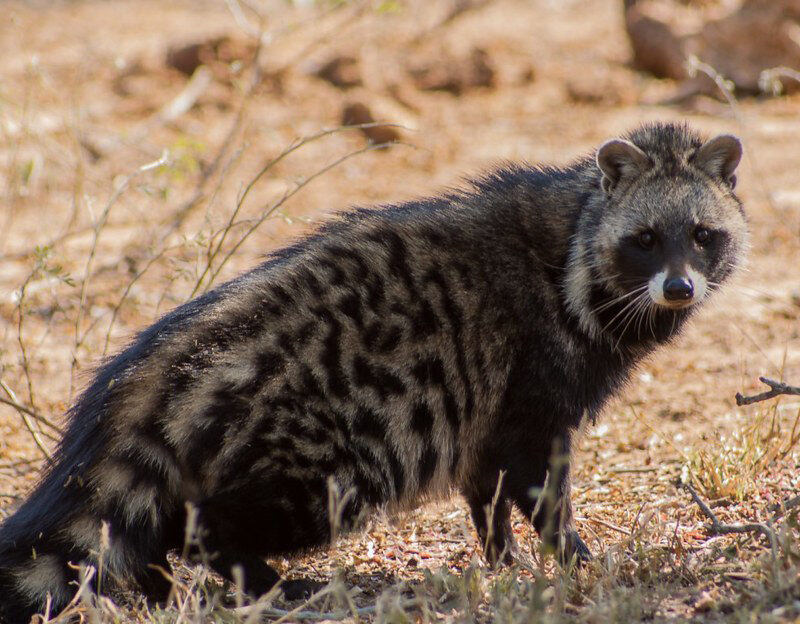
498,555
300,589
574,548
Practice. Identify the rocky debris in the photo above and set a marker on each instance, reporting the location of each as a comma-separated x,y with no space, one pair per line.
759,35
356,113
452,73
656,49
341,71
610,86
219,54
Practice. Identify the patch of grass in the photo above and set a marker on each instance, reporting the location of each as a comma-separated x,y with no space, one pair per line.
732,466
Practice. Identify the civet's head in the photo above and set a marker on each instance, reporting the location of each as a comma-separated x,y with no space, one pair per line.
669,232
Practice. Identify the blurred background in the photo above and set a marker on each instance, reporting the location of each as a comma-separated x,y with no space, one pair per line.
151,149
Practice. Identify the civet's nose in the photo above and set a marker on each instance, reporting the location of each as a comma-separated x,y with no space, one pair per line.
678,289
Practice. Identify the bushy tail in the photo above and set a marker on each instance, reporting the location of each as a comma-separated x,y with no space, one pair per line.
40,539
97,479
34,552
62,523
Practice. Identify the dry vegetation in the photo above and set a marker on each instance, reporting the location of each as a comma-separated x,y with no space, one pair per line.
132,179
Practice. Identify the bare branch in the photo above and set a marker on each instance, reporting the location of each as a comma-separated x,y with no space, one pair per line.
605,523
99,226
784,506
272,612
209,170
24,414
306,614
212,273
128,288
777,388
718,528
28,411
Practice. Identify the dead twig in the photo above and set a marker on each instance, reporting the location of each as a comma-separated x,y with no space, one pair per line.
200,191
13,402
300,614
127,291
273,612
199,82
24,414
782,507
605,523
776,388
99,226
213,272
718,528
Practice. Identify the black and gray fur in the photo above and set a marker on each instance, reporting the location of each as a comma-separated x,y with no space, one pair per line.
398,353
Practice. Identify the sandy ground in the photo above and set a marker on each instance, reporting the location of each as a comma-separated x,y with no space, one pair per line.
83,90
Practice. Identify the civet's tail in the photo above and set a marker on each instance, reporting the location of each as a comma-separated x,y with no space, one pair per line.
109,496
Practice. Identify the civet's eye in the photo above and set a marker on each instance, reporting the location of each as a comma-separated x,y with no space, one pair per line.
701,235
647,239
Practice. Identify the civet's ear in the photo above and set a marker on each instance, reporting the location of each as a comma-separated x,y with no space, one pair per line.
619,159
719,157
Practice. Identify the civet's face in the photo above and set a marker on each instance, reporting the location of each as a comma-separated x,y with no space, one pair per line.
669,232
677,233
682,243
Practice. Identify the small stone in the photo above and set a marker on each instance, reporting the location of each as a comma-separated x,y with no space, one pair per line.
656,49
220,54
189,57
356,113
455,74
342,71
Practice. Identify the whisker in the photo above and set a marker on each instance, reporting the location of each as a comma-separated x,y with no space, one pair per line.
633,321
608,304
613,301
644,310
622,311
630,317
651,317
631,308
750,289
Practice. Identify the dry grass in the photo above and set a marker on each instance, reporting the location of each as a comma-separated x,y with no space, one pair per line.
731,468
129,188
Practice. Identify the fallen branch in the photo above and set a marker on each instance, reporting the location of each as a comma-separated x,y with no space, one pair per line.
605,523
13,402
25,414
777,388
272,612
783,507
718,528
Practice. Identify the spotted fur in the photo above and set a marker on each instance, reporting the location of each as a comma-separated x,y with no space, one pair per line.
397,354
